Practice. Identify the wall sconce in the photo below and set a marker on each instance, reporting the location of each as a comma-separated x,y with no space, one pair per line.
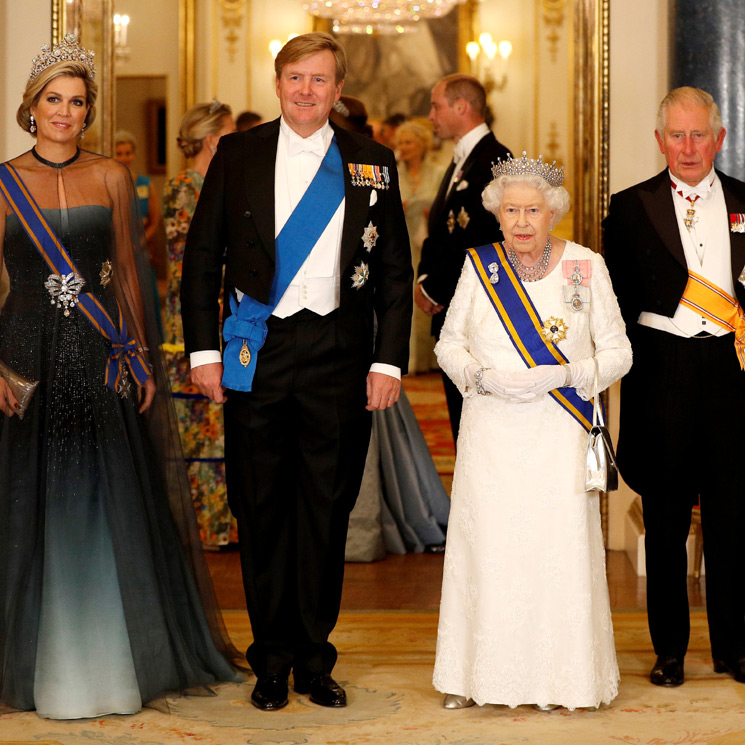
121,50
482,54
275,45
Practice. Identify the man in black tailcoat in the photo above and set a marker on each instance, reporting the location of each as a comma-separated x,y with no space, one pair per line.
681,432
296,436
457,219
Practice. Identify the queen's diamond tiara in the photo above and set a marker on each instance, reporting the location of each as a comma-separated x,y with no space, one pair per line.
68,50
525,165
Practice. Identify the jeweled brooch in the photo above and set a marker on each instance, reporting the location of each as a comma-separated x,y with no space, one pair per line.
107,271
361,275
64,290
370,237
554,329
494,269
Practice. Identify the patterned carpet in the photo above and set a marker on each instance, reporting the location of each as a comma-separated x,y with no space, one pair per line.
428,401
386,665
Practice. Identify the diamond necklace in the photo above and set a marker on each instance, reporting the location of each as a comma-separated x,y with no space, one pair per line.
535,272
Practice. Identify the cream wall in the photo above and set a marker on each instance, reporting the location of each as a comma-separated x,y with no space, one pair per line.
24,26
638,82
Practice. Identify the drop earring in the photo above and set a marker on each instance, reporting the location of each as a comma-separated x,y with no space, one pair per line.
82,132
32,128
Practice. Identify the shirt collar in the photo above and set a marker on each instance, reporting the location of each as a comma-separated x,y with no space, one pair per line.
317,143
702,189
468,142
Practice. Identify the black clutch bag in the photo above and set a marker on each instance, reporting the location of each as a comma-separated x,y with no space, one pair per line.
21,388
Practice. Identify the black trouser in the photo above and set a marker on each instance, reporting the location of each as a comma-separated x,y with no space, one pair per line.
295,451
681,441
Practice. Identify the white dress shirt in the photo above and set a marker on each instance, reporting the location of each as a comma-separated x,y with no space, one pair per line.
707,252
316,285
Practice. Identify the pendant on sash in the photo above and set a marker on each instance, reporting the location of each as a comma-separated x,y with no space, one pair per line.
245,355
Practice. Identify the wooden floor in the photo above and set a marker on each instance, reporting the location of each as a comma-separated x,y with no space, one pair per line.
412,582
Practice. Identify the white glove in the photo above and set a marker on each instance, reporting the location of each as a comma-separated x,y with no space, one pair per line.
511,386
538,380
580,375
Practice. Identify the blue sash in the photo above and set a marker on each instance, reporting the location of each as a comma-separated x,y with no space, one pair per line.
523,324
244,331
55,255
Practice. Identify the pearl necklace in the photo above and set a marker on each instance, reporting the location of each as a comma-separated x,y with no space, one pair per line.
535,272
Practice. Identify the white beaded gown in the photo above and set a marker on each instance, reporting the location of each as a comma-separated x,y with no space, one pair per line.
525,614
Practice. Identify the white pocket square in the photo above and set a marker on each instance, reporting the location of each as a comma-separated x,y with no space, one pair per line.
461,186
373,197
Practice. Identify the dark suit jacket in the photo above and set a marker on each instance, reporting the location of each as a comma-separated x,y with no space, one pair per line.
646,261
644,252
443,251
234,225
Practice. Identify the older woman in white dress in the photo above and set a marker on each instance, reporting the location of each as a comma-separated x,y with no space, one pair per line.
525,614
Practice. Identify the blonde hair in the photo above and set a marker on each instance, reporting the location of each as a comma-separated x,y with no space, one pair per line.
122,137
35,87
304,45
419,132
557,197
689,98
198,122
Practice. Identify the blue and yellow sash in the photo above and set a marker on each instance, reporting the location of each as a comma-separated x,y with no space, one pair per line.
705,298
55,255
244,331
523,324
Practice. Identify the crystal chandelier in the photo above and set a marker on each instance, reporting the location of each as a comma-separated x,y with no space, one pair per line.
379,16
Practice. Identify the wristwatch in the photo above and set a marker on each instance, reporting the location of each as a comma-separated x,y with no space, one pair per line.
479,385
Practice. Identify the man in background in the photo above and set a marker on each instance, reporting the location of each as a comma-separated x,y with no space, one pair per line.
457,219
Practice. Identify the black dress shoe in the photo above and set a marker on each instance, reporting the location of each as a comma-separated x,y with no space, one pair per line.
323,689
270,693
667,671
736,668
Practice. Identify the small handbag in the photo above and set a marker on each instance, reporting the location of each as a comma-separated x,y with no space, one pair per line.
21,388
601,470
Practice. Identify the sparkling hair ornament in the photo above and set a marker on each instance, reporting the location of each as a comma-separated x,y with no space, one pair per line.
68,50
524,166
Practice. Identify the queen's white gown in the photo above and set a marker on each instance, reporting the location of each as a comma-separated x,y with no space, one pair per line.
525,614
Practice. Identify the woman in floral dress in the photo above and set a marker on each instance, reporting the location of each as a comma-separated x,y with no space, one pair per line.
200,421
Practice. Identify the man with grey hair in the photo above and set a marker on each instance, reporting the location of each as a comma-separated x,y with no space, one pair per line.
457,219
307,220
675,248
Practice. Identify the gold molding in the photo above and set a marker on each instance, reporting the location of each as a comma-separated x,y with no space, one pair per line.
232,21
591,119
68,17
553,20
466,32
186,44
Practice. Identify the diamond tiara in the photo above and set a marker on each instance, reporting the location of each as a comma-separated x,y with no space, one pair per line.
68,50
525,165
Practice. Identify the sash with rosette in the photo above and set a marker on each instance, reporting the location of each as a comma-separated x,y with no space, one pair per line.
244,331
712,302
523,325
123,347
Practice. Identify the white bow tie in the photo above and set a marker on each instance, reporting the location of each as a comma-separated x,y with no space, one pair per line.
700,191
298,145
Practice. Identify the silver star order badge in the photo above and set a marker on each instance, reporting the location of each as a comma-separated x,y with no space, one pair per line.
554,329
361,275
369,236
64,290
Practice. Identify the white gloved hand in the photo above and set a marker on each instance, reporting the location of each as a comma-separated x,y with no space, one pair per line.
580,375
524,386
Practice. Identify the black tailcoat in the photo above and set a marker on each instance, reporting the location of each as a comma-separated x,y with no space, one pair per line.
681,418
295,445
